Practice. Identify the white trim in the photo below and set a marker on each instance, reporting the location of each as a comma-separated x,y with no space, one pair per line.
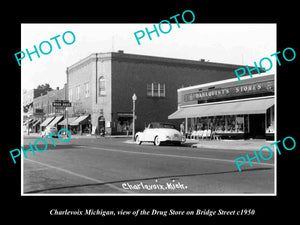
224,102
222,82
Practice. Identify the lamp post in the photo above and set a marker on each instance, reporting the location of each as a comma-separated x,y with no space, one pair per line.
66,111
134,98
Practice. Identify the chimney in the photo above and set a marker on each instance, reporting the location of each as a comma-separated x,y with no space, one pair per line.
57,88
121,51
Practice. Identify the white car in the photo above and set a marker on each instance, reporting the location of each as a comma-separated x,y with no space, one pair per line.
49,130
158,133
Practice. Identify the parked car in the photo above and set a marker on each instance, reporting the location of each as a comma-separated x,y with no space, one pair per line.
158,133
49,130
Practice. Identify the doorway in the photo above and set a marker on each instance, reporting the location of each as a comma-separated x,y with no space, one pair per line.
257,126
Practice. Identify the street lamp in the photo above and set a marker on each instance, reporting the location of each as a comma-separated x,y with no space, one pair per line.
66,111
134,98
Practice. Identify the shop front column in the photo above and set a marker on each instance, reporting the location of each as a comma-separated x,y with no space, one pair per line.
186,125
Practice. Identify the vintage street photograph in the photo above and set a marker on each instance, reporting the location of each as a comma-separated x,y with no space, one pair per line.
131,109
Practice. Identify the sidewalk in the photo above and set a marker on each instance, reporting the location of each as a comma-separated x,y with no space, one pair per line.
77,136
251,145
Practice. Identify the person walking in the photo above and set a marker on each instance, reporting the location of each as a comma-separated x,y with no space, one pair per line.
97,131
182,128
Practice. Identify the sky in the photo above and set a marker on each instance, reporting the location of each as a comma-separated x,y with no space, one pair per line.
239,43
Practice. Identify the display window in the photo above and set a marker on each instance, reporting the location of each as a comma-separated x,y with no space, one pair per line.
220,124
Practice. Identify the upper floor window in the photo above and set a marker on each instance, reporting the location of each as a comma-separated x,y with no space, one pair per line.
70,95
156,90
102,86
86,90
77,92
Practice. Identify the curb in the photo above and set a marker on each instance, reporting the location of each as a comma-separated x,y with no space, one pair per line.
219,147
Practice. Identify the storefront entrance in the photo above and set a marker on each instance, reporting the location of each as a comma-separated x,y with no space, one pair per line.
124,123
257,126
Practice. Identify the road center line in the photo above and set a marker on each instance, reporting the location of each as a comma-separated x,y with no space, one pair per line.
167,155
79,175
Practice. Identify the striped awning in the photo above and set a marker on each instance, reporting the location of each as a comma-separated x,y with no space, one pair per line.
47,121
55,121
70,120
79,120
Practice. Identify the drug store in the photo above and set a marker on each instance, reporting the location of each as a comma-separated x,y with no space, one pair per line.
229,108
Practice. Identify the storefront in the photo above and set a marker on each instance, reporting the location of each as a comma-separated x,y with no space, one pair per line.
81,125
229,108
124,123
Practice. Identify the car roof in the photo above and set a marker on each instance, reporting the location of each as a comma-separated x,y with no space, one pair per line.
162,123
159,124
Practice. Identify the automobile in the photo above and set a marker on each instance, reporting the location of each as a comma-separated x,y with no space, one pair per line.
158,133
49,130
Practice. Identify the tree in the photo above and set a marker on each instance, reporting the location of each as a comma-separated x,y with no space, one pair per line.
45,87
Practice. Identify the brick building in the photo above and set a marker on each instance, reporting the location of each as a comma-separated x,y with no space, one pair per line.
101,87
28,96
44,111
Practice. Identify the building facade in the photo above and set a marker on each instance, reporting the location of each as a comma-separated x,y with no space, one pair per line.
101,86
230,108
43,110
28,96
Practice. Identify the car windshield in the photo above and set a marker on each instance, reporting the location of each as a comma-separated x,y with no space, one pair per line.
161,125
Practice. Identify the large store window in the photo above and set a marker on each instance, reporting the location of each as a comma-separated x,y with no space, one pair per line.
221,124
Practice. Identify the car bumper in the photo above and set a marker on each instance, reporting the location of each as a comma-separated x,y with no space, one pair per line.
173,139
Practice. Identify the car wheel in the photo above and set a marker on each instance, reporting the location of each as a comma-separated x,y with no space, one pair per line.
156,141
183,140
137,140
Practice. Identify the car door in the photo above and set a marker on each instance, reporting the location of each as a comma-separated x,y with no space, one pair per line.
148,133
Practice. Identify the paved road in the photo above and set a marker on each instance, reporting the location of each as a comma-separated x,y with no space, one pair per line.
110,166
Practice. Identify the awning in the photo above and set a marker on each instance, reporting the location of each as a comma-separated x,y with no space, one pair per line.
36,123
79,120
256,106
47,121
27,121
55,121
70,120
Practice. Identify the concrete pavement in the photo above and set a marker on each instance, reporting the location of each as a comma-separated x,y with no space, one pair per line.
109,166
247,145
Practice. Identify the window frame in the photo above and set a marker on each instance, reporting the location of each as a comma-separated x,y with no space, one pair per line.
156,90
102,86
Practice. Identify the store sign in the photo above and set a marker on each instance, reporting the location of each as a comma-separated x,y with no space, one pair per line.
240,90
61,103
124,114
39,111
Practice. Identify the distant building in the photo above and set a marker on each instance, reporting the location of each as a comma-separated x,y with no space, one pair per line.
101,87
44,101
44,112
28,96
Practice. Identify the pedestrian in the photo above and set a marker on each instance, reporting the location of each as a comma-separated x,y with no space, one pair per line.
97,131
102,132
182,128
127,129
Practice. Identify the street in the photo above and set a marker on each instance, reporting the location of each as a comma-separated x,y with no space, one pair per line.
112,166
